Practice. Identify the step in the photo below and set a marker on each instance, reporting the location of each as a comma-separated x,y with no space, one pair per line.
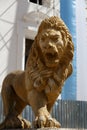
50,129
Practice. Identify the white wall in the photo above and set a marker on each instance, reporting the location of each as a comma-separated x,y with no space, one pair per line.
11,35
81,51
11,43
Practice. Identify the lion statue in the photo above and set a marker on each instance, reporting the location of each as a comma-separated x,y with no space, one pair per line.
48,65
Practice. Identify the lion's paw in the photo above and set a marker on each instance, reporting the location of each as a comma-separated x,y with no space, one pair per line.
43,121
15,122
39,122
25,123
51,122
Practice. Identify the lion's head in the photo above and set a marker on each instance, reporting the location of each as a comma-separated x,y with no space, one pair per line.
51,47
53,40
51,51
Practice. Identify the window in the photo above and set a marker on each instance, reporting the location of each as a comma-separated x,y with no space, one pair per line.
35,1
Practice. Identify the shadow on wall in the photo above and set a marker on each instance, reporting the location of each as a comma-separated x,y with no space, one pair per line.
10,14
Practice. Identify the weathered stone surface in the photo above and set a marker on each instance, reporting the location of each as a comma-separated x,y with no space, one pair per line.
48,66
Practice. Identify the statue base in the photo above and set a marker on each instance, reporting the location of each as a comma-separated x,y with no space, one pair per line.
49,129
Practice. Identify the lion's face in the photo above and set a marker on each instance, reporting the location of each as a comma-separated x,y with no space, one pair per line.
51,45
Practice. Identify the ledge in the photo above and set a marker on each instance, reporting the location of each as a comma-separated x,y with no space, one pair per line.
49,129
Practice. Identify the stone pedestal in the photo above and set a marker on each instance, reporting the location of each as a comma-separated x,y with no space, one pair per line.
49,129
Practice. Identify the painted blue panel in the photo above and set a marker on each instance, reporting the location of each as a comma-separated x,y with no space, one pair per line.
68,14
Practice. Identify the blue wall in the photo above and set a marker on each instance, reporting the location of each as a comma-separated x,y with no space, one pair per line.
68,14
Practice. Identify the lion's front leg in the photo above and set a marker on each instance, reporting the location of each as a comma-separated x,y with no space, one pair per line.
38,102
44,119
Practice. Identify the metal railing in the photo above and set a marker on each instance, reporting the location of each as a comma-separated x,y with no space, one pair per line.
71,114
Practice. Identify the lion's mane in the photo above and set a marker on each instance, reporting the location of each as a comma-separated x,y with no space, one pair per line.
45,77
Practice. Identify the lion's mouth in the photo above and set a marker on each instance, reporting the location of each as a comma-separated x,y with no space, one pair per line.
51,59
51,56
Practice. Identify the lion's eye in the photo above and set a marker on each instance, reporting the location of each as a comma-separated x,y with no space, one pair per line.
55,39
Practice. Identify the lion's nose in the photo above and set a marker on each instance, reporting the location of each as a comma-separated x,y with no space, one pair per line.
49,46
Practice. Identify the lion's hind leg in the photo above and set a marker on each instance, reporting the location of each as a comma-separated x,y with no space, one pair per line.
7,98
13,106
8,104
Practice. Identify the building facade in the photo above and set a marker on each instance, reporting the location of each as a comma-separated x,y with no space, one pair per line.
19,21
